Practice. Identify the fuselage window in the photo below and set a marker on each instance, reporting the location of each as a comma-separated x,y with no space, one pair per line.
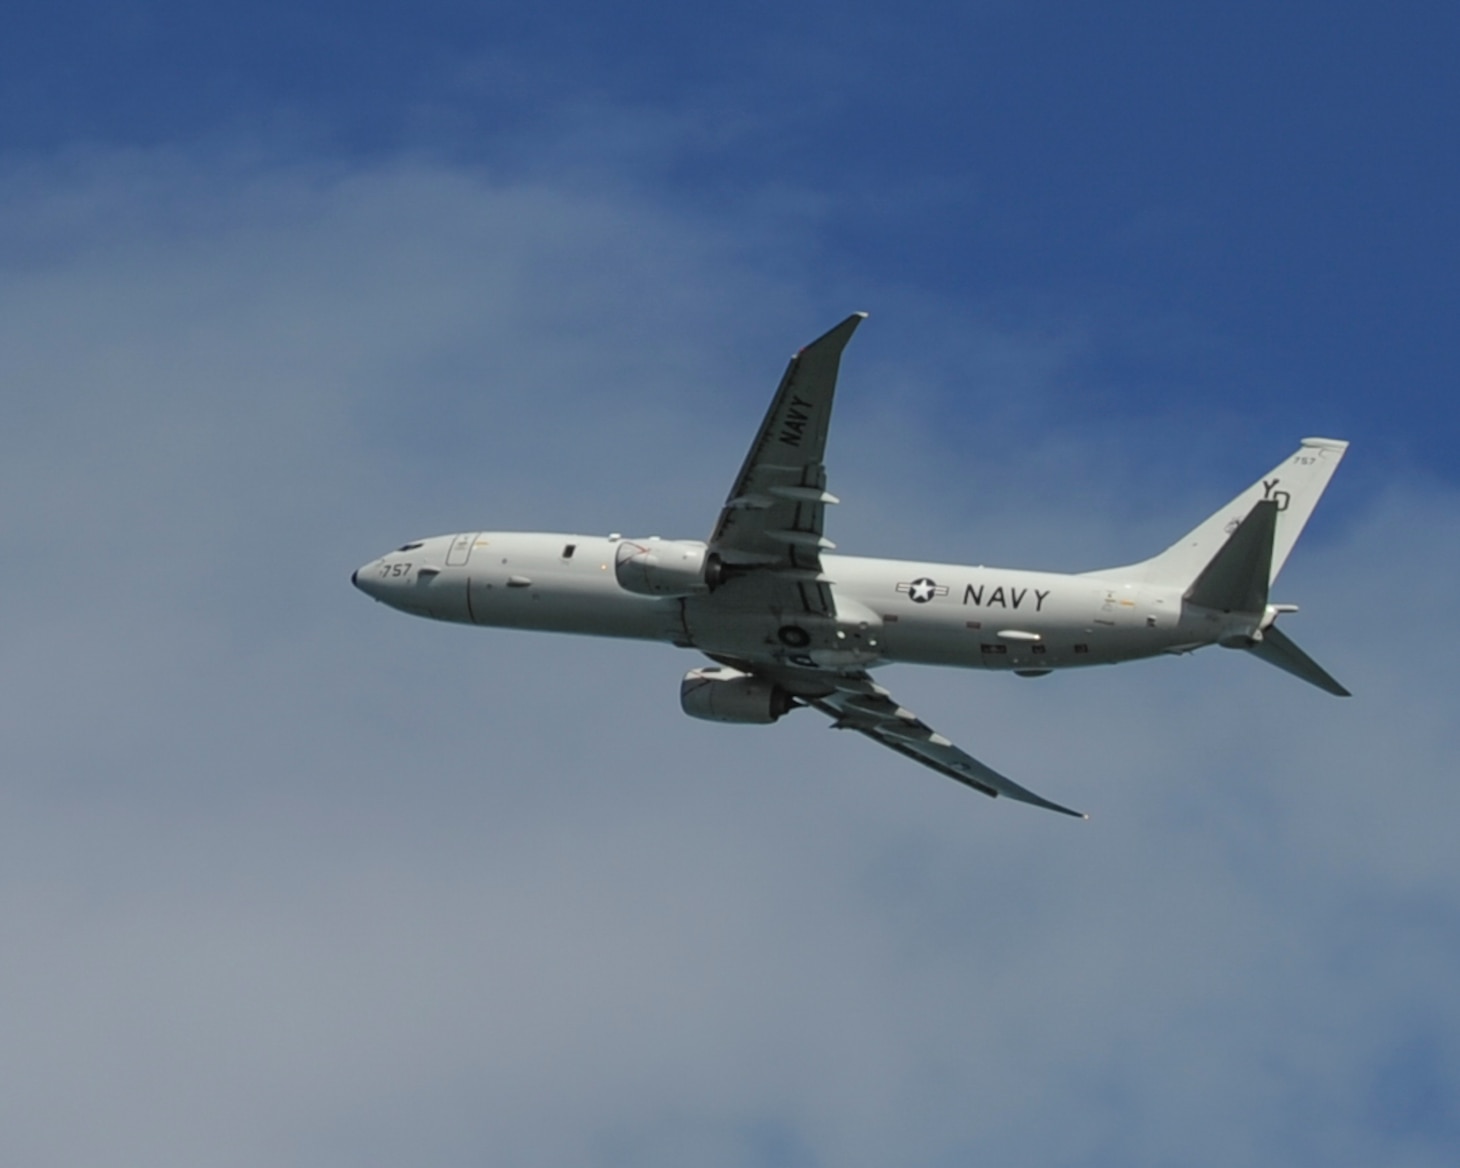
568,550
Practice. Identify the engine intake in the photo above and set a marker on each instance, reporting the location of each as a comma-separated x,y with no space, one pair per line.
720,694
661,567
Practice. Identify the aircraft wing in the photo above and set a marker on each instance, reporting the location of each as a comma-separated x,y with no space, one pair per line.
861,704
773,519
855,702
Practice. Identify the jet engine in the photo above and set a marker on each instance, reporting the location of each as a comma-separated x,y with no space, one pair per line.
661,567
720,694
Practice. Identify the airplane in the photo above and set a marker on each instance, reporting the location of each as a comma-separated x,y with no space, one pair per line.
787,625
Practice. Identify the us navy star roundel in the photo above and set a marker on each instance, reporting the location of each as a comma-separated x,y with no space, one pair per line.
923,590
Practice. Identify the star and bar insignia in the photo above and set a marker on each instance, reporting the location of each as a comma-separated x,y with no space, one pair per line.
923,590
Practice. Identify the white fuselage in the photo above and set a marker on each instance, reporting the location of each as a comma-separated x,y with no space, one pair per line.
887,610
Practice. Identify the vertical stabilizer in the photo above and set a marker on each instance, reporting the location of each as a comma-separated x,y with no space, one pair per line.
1294,487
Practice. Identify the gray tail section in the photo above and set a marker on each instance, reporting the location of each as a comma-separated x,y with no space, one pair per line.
1237,580
1294,486
1229,561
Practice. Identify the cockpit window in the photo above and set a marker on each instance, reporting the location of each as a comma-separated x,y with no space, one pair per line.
410,547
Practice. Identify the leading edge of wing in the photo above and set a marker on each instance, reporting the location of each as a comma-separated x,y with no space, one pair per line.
869,709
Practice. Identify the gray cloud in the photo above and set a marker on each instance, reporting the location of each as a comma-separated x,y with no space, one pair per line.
287,878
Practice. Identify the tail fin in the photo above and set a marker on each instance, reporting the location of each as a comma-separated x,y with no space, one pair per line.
1293,487
1237,580
1233,557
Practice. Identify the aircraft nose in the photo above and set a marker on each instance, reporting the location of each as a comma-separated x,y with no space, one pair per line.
362,579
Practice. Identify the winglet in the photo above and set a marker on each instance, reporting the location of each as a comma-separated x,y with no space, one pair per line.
835,339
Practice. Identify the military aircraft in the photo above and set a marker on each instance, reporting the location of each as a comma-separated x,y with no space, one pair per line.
786,624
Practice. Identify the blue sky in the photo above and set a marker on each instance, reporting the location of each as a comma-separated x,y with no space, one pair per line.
1276,184
288,878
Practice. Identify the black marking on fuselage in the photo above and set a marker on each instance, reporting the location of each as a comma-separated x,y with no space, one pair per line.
923,589
1001,597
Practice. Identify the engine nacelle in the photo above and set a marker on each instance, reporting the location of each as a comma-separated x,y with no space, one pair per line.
661,567
719,694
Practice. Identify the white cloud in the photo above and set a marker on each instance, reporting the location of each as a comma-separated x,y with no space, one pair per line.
289,878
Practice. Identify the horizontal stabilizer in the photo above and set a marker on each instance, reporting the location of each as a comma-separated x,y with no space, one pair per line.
1236,578
1277,648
